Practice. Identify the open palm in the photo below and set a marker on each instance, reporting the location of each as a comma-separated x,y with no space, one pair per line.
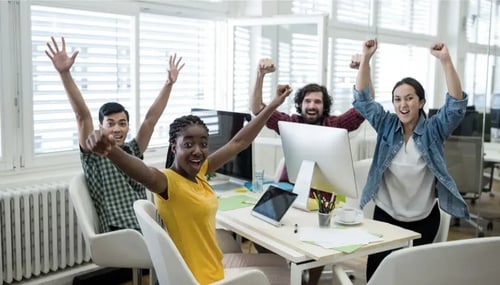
62,62
174,67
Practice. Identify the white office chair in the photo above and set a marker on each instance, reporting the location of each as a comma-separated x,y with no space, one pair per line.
458,262
170,267
122,248
361,169
279,169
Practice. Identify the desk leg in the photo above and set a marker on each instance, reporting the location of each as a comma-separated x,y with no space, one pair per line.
295,274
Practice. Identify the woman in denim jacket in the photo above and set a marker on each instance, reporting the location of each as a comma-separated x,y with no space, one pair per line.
408,169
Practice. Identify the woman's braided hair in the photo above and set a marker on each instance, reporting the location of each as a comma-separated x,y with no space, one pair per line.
176,127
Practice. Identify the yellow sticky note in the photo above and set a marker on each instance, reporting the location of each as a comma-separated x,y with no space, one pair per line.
241,190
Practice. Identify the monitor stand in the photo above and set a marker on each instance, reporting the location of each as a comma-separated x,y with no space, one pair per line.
303,186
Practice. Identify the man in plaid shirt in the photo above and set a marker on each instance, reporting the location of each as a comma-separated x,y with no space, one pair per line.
112,192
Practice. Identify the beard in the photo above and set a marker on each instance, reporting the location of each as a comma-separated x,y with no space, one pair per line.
313,120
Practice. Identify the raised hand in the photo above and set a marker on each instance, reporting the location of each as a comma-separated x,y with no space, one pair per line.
369,48
100,142
266,65
282,92
355,61
62,62
174,68
440,50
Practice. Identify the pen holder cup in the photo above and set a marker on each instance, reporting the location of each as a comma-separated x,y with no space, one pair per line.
324,219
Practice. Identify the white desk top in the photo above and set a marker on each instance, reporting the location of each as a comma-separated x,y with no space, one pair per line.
284,242
491,152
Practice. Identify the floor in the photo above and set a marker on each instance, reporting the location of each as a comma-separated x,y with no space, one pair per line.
488,206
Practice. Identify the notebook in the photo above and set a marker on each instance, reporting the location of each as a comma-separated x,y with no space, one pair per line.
273,205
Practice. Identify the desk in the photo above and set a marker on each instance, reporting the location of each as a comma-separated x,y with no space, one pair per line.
283,241
491,152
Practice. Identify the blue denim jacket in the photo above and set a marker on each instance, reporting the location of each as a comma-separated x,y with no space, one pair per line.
429,136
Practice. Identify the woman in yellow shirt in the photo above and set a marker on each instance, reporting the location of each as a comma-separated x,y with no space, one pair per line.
185,200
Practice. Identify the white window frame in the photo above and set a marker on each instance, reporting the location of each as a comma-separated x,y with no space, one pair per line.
19,144
321,31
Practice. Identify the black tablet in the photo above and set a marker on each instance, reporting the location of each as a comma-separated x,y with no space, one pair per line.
273,205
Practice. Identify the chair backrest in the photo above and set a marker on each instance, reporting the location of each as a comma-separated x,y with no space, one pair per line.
459,262
279,169
361,169
84,207
444,227
106,249
169,265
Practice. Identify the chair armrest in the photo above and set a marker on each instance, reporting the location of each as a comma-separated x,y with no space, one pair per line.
250,277
121,248
340,276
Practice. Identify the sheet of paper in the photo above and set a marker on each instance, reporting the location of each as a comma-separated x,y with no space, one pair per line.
236,202
337,237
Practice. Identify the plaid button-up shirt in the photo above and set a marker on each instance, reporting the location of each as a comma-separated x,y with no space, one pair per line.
112,191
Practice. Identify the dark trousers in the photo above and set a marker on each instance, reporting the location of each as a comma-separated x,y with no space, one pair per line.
427,227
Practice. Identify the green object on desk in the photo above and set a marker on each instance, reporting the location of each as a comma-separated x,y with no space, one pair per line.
344,249
236,202
349,248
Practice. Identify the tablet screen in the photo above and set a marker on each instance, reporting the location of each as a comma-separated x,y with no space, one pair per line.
274,203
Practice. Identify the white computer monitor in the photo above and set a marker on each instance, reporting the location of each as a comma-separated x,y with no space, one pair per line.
317,157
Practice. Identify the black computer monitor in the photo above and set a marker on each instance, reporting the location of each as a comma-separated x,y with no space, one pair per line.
495,111
222,126
468,125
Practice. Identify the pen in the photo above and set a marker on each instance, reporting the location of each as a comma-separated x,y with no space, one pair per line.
248,202
296,230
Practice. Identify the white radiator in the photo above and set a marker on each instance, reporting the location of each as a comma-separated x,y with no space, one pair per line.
39,233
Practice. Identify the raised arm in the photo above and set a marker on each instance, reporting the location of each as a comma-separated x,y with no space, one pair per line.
156,110
265,66
247,134
440,51
363,79
104,144
63,63
355,62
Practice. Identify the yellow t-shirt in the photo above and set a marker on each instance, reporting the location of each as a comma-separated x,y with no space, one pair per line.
189,215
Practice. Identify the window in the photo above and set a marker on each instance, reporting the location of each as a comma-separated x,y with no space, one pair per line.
478,21
311,6
194,41
102,71
242,69
292,44
415,16
481,62
418,19
343,77
476,69
394,62
354,12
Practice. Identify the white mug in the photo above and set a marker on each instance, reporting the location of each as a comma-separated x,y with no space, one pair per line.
348,215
